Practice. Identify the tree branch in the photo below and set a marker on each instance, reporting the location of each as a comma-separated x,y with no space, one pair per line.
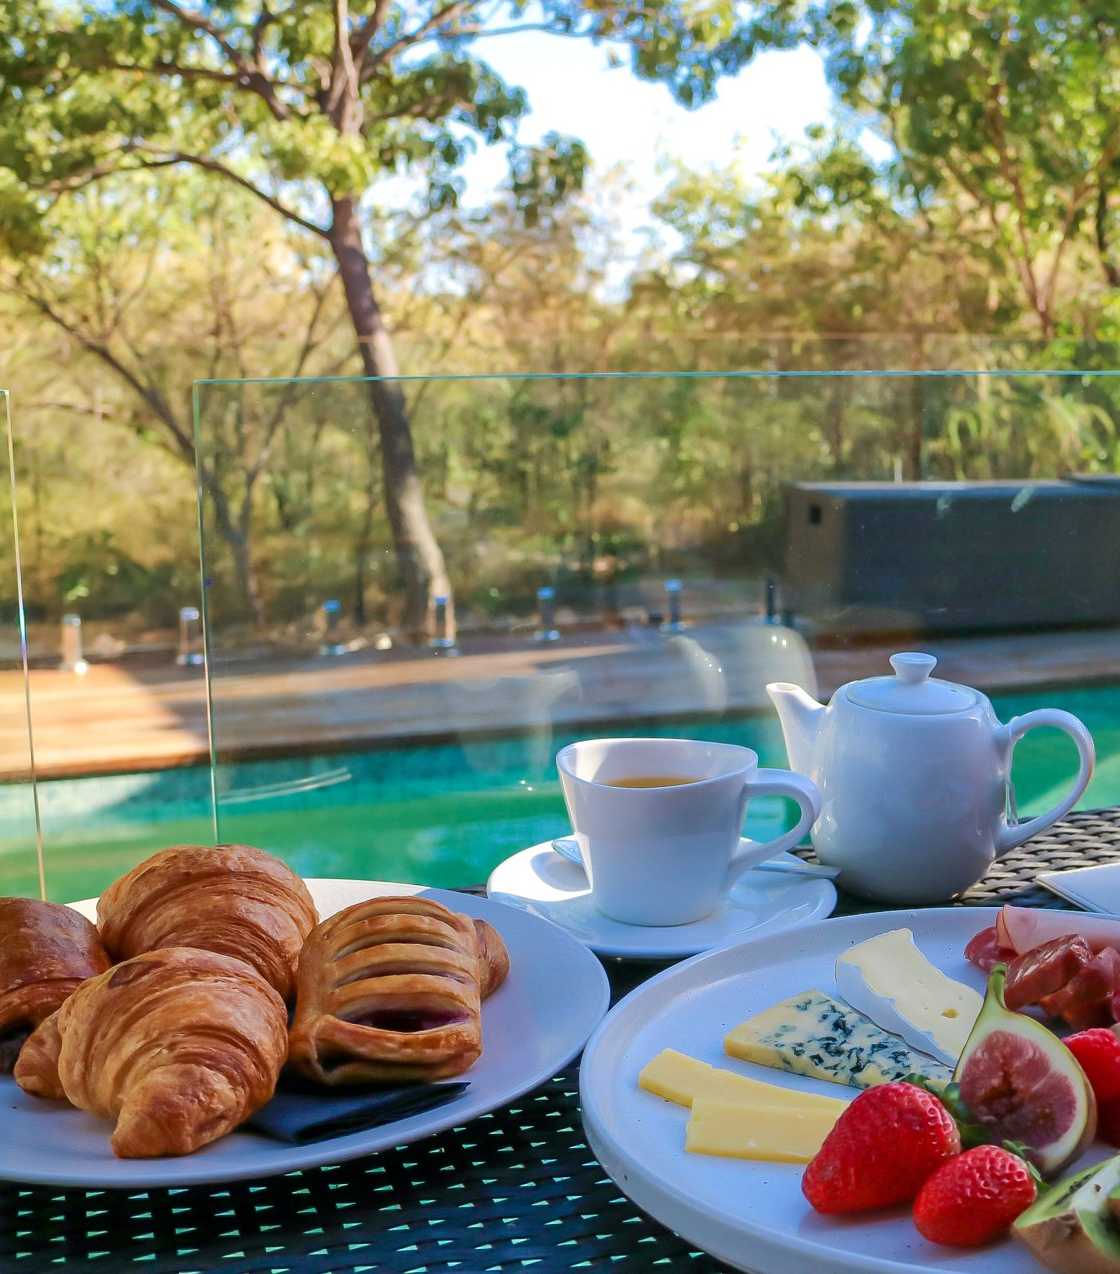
437,20
215,166
149,394
250,75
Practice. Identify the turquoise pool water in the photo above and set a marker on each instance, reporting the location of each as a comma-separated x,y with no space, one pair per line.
443,814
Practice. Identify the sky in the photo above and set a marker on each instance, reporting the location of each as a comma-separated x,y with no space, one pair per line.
625,121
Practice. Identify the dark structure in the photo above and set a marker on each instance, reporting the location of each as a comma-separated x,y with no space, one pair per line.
954,556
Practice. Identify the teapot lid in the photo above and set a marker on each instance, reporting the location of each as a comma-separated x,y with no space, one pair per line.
912,690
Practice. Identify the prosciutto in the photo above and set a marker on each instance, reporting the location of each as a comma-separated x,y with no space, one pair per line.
1024,928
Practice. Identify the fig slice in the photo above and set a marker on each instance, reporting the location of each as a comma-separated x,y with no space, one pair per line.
1019,1083
1071,1226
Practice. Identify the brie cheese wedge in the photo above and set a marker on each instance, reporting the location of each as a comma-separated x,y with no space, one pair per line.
891,981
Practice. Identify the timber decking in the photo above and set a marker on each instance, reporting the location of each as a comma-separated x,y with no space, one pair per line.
142,714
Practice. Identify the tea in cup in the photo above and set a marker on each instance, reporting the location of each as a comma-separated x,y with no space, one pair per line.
659,822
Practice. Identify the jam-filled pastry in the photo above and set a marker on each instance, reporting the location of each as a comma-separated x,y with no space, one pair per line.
46,951
390,989
177,1045
233,899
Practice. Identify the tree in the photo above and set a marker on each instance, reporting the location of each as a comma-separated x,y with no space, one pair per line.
305,104
140,344
1002,121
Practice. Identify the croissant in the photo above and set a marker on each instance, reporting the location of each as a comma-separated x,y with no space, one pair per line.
390,989
177,1045
46,950
232,899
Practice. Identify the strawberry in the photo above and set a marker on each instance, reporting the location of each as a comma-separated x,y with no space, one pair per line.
881,1150
974,1197
1098,1053
1108,1121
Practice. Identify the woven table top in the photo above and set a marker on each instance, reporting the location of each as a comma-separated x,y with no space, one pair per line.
516,1189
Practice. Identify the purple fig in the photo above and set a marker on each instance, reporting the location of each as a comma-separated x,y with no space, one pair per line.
1019,1083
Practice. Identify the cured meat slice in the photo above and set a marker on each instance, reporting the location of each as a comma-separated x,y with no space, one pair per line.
1086,999
1039,973
985,951
1025,928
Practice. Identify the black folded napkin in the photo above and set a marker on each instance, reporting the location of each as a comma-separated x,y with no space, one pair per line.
301,1112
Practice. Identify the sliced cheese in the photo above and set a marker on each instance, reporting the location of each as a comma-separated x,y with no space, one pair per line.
686,1080
778,1134
890,980
813,1034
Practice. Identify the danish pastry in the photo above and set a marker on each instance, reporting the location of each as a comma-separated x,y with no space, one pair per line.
46,951
390,989
232,899
177,1045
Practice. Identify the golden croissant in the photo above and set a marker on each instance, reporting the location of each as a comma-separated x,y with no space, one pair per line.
177,1045
390,989
233,899
46,951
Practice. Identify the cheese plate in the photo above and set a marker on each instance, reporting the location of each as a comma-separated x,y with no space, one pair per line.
752,1215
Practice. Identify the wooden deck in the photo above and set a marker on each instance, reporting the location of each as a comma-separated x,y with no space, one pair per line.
147,714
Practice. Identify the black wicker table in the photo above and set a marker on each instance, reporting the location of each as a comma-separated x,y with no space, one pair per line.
515,1189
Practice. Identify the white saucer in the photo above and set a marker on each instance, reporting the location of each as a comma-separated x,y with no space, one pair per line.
540,881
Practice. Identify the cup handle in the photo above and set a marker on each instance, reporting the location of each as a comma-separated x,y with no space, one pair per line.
1009,837
777,783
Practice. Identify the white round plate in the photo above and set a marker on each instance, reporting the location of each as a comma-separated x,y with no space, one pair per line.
538,880
532,1026
752,1215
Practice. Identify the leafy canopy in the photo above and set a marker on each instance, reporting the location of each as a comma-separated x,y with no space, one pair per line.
303,101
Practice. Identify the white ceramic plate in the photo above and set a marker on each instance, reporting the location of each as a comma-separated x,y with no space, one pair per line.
542,882
1094,888
533,1025
753,1215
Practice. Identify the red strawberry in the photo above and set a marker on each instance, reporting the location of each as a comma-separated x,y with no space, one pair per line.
881,1150
1108,1121
974,1197
1098,1052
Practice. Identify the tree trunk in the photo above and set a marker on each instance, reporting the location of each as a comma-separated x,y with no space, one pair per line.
237,535
419,558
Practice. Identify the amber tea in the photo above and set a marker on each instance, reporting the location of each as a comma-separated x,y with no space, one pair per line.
650,780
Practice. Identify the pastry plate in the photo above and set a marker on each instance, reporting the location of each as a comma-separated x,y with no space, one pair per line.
752,1215
542,882
533,1025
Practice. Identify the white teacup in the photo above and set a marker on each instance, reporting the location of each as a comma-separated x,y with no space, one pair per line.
659,822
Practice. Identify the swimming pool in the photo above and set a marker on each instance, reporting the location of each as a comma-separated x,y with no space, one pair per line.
442,814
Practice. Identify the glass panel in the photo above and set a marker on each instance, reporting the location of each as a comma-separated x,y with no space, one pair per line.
628,555
119,724
20,858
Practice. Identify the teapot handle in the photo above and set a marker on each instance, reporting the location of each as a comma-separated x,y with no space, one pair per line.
1009,837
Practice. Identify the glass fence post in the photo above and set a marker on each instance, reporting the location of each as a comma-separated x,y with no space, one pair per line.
546,615
332,609
674,624
190,638
70,644
441,643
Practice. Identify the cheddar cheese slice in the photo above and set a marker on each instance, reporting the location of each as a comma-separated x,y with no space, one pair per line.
686,1080
777,1134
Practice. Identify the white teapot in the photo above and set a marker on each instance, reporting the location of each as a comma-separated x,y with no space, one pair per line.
914,775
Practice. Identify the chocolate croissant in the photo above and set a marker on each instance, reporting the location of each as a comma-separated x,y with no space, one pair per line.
177,1045
390,989
46,951
233,899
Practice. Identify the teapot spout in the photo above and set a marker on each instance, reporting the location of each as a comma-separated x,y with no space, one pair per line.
801,717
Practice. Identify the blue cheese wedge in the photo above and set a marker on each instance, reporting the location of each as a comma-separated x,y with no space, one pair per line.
812,1034
889,979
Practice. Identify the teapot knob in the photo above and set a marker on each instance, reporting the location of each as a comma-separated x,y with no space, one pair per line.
912,667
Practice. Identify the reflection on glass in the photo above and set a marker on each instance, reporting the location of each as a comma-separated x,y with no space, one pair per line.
627,555
21,861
